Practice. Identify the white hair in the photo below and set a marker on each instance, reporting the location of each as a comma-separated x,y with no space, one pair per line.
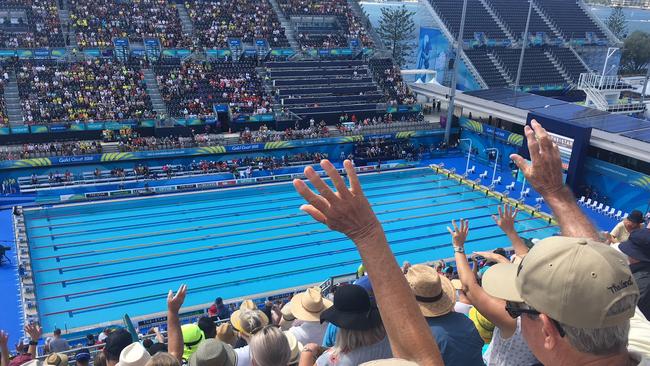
270,347
603,341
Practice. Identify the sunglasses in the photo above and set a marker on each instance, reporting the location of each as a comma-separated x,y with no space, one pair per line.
517,309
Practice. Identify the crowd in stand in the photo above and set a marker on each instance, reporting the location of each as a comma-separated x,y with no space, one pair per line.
34,150
388,76
38,26
574,299
264,134
248,20
351,26
193,88
4,119
97,22
86,91
379,149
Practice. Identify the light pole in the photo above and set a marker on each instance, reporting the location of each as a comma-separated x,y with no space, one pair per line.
452,85
523,187
494,171
469,153
610,52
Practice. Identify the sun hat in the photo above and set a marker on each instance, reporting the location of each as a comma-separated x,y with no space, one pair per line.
134,355
307,306
192,337
213,352
637,245
286,312
433,292
575,281
352,309
457,285
226,333
235,317
389,362
295,346
484,327
57,359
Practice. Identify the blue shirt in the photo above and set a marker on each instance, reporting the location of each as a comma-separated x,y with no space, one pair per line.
458,340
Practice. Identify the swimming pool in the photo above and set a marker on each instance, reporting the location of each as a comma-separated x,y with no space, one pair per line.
95,262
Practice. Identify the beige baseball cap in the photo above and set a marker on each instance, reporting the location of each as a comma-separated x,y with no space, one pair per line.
575,281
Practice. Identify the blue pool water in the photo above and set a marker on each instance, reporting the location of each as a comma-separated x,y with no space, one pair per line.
94,263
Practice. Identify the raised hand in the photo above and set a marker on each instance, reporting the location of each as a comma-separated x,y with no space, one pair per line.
174,302
459,233
545,172
347,210
4,340
506,218
34,331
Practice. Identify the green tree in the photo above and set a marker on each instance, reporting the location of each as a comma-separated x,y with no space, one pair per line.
396,29
636,52
617,23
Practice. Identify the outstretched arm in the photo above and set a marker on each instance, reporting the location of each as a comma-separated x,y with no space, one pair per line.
545,175
491,308
34,331
506,221
4,348
174,333
349,212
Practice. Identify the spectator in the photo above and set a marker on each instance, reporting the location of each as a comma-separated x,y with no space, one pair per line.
90,340
226,334
622,230
213,352
82,357
247,321
307,308
134,355
457,338
269,347
637,249
57,344
162,359
57,359
192,337
116,341
577,302
99,359
360,336
26,350
208,327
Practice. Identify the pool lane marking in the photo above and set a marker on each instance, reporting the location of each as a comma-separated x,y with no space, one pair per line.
202,227
256,193
245,242
60,257
70,312
246,254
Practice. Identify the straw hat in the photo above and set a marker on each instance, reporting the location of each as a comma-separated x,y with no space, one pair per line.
57,359
457,284
295,347
235,318
307,306
226,333
134,355
434,293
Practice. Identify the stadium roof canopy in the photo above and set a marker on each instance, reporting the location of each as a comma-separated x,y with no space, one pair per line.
614,132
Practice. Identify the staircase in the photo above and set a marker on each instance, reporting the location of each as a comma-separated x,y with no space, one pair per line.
66,27
286,24
547,20
12,101
110,147
559,67
186,23
154,92
358,11
499,66
497,18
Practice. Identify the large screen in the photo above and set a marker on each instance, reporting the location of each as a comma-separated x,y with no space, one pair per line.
565,144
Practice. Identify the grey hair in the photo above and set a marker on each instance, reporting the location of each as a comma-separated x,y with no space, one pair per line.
348,340
270,347
251,320
603,341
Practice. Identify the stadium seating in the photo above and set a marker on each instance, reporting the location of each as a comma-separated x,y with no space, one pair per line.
389,78
483,64
92,90
216,21
334,24
97,22
537,68
35,23
573,66
480,20
513,13
194,87
570,19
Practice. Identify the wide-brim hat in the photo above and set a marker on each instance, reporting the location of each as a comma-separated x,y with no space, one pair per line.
213,352
307,306
295,347
433,292
226,333
133,355
57,359
352,309
235,317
